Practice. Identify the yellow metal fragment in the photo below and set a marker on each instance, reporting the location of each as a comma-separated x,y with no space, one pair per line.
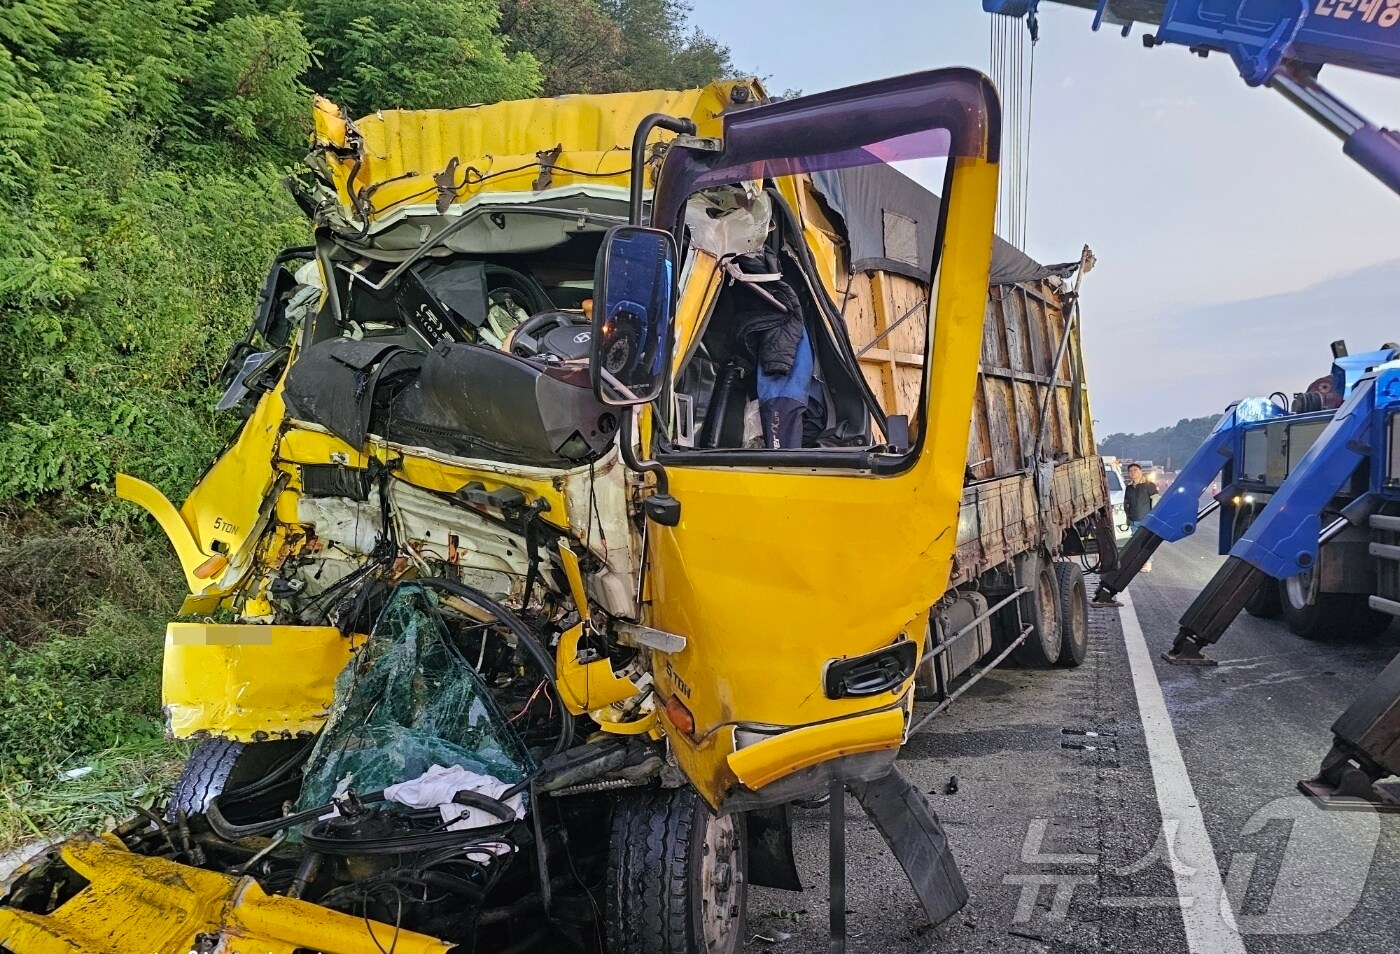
248,682
138,905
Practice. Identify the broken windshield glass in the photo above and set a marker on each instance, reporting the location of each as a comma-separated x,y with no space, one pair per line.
408,701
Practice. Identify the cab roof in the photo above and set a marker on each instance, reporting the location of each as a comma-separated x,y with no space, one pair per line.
377,171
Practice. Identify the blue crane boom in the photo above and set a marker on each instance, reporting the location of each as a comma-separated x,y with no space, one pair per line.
1282,44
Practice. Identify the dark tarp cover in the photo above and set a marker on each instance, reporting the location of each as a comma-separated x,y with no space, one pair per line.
332,383
891,223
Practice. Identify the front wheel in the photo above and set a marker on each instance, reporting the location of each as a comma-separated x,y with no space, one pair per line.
219,765
1327,616
677,876
1321,617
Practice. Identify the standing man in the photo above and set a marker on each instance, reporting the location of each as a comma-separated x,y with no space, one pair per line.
1138,498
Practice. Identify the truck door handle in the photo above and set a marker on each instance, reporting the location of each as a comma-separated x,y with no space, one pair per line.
871,674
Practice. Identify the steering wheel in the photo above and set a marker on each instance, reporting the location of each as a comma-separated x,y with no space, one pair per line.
511,298
563,334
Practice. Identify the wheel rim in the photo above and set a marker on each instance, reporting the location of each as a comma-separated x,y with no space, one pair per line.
721,882
1301,589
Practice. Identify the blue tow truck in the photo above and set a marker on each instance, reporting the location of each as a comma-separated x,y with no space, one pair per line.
1316,532
1269,464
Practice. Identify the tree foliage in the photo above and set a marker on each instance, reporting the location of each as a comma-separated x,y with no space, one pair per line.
610,46
414,54
1172,445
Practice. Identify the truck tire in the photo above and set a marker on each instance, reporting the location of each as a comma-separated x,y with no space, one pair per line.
1041,608
1362,621
1074,613
677,876
1265,602
219,765
1320,617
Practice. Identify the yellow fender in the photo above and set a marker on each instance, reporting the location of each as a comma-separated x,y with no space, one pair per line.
584,687
147,497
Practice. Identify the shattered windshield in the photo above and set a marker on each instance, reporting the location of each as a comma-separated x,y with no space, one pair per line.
408,701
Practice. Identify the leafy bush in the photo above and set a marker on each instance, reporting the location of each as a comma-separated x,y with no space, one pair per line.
414,54
94,790
80,643
142,148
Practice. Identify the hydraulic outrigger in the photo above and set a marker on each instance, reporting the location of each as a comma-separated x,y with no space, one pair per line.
1284,538
1361,445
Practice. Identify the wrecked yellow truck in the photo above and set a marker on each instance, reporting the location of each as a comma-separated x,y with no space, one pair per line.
558,554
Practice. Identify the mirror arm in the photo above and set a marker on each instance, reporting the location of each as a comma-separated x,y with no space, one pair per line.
660,507
684,127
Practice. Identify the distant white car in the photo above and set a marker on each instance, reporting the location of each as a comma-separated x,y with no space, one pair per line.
1121,530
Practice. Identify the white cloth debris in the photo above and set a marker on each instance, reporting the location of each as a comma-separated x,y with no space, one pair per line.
437,787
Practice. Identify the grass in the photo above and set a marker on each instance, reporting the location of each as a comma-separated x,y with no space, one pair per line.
50,804
82,620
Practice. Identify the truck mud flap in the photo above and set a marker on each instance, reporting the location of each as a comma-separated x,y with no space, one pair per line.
771,860
910,827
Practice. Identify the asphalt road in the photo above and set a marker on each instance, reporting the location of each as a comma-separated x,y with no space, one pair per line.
1060,833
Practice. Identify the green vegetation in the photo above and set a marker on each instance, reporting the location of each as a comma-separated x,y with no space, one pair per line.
143,144
80,641
1166,446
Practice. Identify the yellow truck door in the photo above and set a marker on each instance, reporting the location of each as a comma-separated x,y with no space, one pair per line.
802,579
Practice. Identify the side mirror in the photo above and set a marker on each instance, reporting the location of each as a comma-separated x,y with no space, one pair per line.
634,295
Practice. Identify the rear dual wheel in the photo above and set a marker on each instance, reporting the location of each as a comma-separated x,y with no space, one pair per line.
1074,613
1324,617
1058,608
1041,609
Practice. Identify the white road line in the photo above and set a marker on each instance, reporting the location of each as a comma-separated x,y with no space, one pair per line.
1209,929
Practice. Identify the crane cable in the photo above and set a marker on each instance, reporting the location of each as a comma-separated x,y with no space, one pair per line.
1012,55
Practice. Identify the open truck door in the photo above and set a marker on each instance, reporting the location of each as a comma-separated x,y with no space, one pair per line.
801,577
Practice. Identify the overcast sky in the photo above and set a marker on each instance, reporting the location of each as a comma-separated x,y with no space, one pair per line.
1199,195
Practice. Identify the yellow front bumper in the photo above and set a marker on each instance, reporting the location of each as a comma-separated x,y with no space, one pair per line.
138,905
250,682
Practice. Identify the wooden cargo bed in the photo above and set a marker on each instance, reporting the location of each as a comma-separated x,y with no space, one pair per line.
1002,512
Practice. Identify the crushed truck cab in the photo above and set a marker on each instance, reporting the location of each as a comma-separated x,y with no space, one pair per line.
593,503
